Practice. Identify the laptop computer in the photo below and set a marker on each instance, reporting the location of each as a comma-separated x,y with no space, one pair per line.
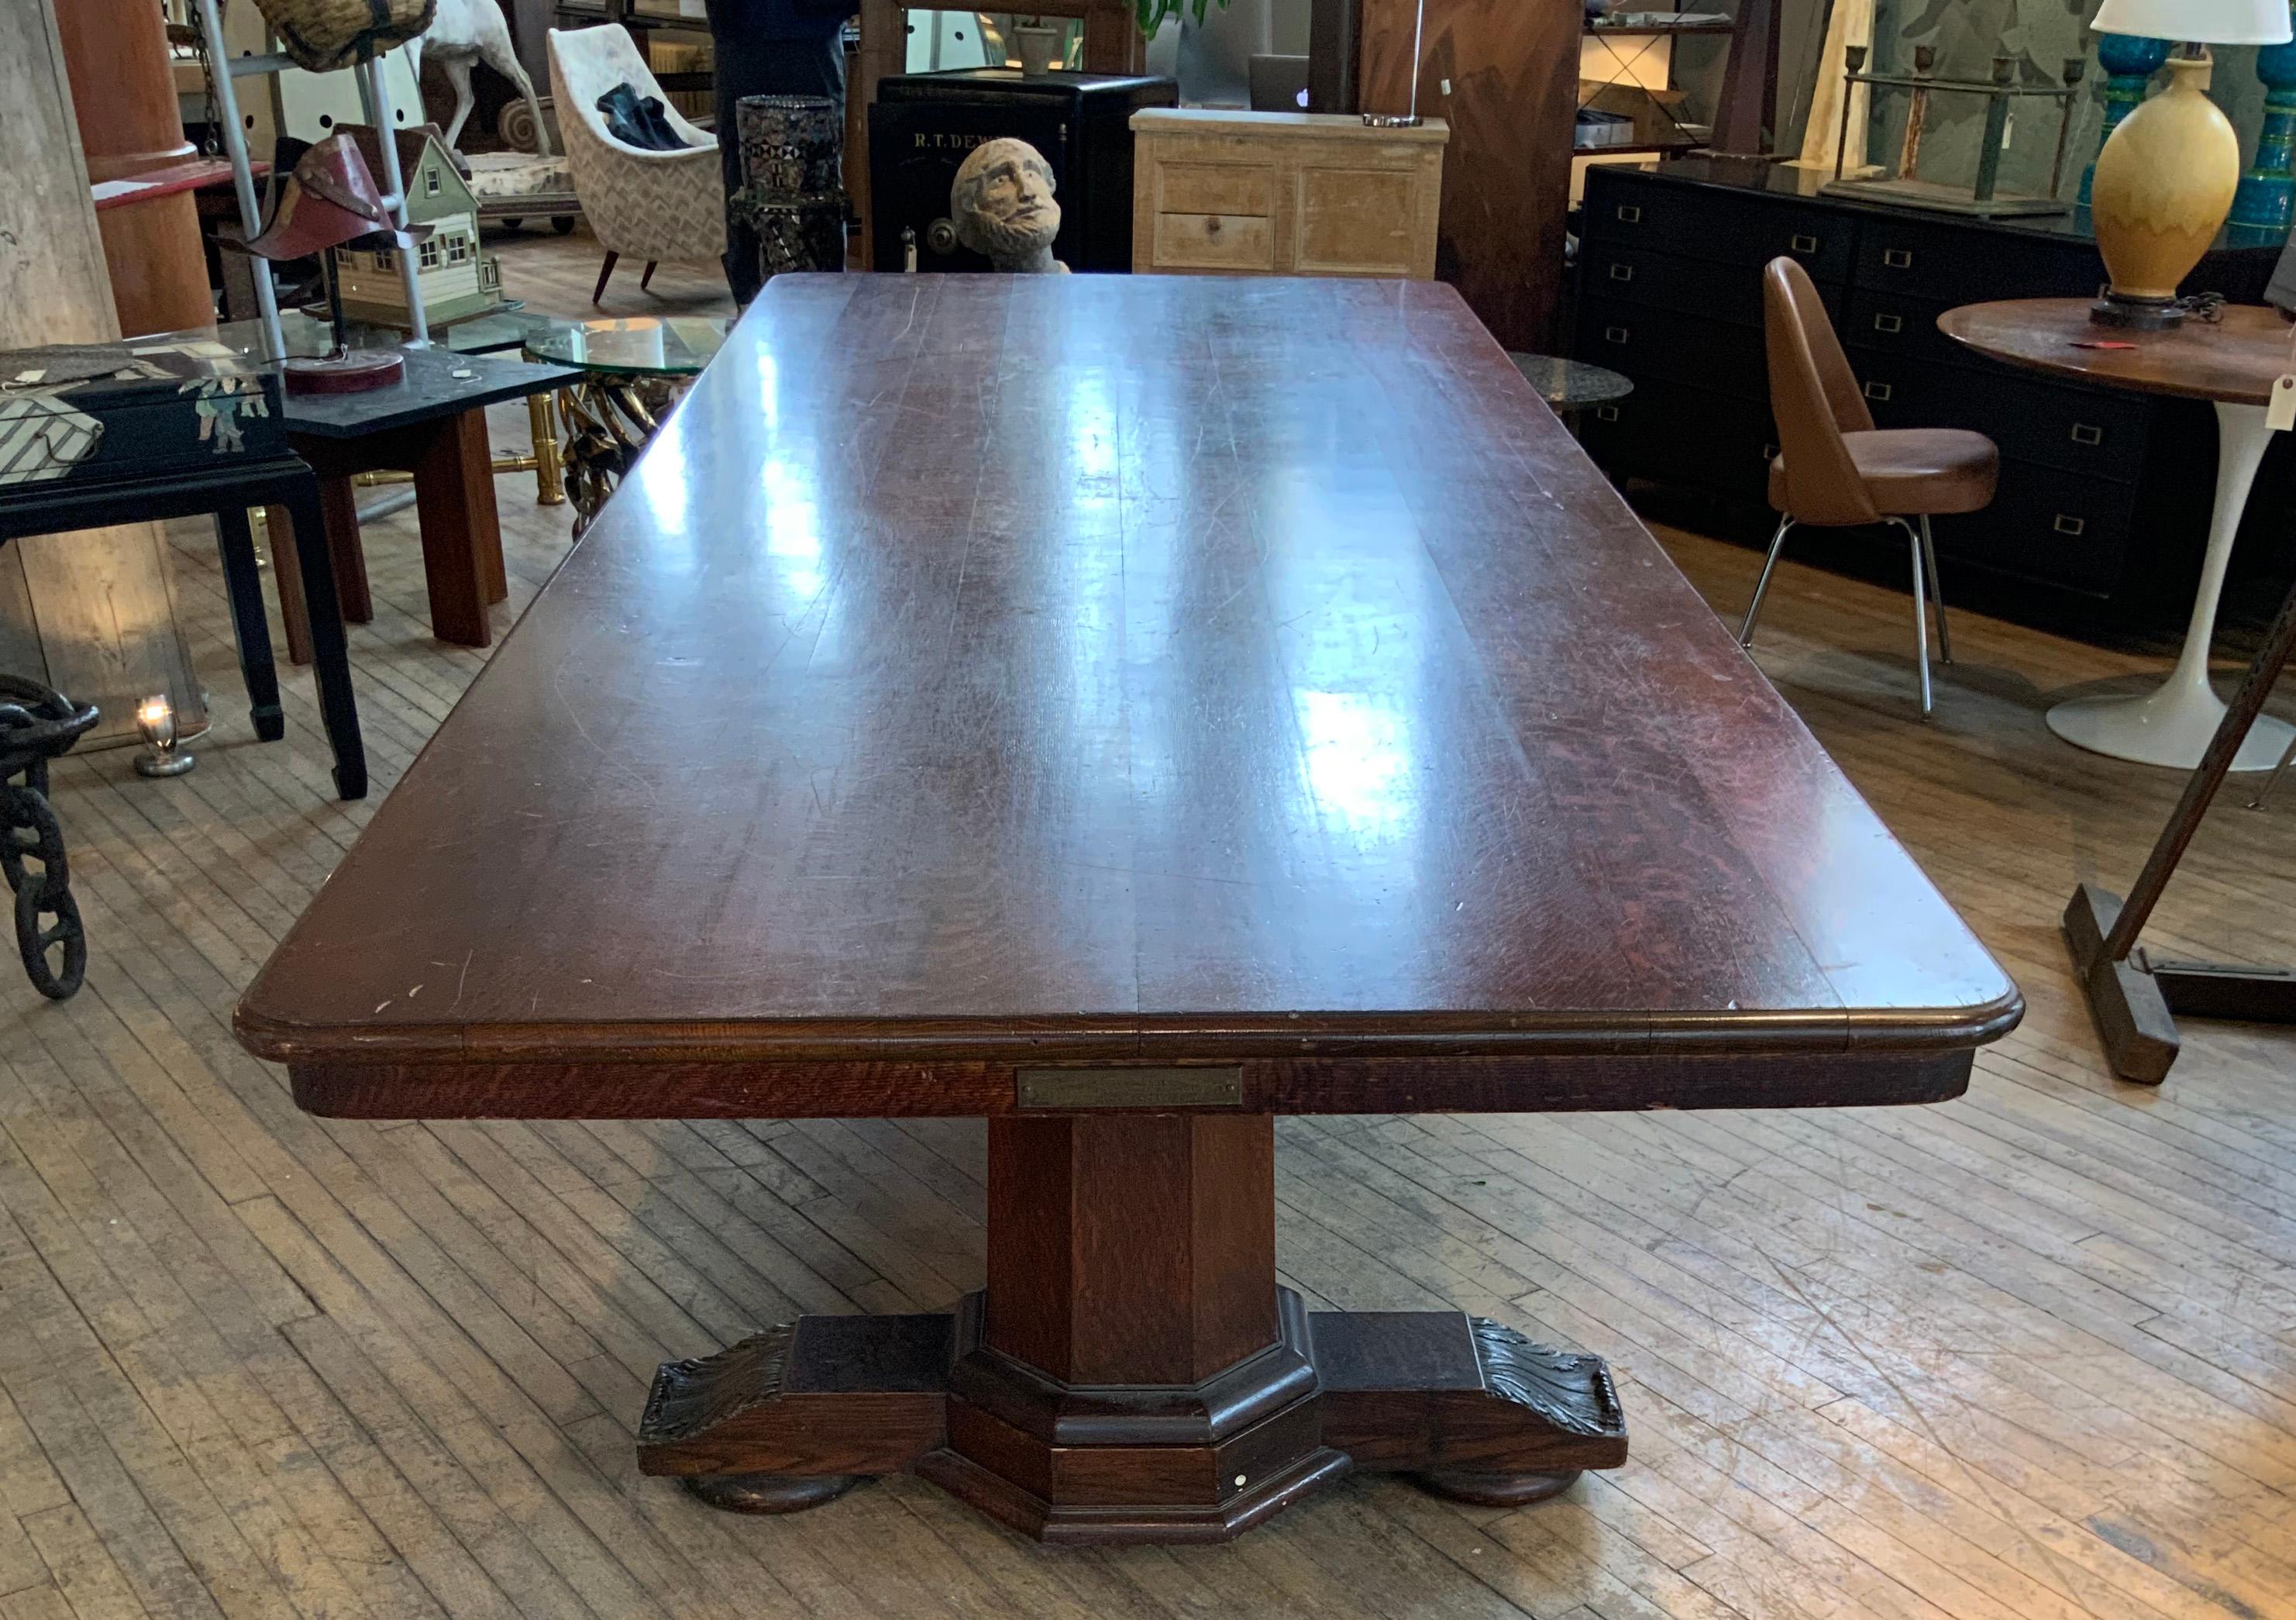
1279,84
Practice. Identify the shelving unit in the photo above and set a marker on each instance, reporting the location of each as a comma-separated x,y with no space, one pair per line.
1681,22
1625,68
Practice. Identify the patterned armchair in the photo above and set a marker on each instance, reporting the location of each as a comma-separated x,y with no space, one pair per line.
651,205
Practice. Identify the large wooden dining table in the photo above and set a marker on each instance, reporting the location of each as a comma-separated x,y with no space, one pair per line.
1127,709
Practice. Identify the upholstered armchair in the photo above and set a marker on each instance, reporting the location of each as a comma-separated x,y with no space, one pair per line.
651,205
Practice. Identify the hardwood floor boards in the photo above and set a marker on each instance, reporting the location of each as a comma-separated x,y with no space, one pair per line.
2031,1355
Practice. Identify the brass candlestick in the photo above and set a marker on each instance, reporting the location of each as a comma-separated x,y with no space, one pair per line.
1918,114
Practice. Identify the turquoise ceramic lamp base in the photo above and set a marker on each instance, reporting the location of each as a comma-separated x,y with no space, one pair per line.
2266,198
2129,61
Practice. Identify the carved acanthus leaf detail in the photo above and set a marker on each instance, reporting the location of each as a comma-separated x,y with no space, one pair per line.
1569,1389
692,1397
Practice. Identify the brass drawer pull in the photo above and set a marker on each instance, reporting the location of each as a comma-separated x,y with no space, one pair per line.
1622,272
1630,214
1606,413
1890,323
1616,335
2071,525
1805,244
1879,392
2084,434
1897,258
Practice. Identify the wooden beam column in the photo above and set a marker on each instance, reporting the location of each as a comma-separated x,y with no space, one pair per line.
92,613
1505,73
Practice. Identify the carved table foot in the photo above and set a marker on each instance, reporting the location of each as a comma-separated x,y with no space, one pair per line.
1468,1407
1497,1490
768,1493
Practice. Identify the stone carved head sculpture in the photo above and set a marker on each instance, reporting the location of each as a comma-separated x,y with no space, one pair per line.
1001,205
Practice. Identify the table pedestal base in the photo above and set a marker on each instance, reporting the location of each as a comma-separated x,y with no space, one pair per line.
2171,725
1136,1251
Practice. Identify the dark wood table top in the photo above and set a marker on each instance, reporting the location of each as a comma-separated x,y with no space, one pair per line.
998,670
2233,361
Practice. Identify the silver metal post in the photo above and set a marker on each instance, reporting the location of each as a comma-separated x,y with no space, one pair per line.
1389,120
375,92
226,111
1418,32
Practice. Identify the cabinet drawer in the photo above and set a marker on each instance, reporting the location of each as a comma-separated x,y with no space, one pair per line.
1214,242
1903,328
1214,188
2087,431
1733,227
1655,345
2047,525
1912,259
1720,293
1679,435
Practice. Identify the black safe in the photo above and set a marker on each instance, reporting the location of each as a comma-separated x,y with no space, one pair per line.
922,124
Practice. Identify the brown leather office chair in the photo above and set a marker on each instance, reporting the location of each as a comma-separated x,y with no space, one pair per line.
1836,470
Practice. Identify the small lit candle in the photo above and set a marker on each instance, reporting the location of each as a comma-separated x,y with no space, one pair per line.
155,718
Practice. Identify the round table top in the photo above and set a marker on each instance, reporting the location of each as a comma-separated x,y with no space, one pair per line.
673,346
2234,360
1571,385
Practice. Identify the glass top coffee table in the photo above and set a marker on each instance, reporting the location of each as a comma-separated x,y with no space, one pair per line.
634,371
649,346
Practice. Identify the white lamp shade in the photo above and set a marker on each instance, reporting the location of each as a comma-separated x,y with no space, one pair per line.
2206,21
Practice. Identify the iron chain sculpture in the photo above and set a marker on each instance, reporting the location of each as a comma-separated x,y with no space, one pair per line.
37,724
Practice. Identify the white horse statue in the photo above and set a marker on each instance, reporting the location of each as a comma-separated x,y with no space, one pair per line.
469,31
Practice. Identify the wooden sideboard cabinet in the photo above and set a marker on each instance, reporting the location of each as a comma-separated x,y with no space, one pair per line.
1284,194
2097,487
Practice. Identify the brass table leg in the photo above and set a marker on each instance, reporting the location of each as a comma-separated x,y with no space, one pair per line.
549,471
607,422
545,463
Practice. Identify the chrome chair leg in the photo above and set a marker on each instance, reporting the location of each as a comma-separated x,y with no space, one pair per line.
1921,611
1762,585
2273,781
1937,596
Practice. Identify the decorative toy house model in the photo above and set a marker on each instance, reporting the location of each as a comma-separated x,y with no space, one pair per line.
458,281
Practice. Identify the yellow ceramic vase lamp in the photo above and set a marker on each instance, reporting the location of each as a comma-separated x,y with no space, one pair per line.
2165,180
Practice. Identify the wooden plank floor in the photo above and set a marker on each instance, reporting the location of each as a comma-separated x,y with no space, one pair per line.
2028,1356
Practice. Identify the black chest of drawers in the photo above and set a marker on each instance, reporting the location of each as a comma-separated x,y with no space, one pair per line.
2099,491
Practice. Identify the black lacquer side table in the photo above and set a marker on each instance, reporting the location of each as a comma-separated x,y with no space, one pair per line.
226,489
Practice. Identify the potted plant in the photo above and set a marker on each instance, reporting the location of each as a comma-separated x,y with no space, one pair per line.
1152,13
1038,43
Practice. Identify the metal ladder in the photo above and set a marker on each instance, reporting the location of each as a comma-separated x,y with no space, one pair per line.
374,96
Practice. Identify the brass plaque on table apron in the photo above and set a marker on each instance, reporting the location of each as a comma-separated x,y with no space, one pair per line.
1172,1087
